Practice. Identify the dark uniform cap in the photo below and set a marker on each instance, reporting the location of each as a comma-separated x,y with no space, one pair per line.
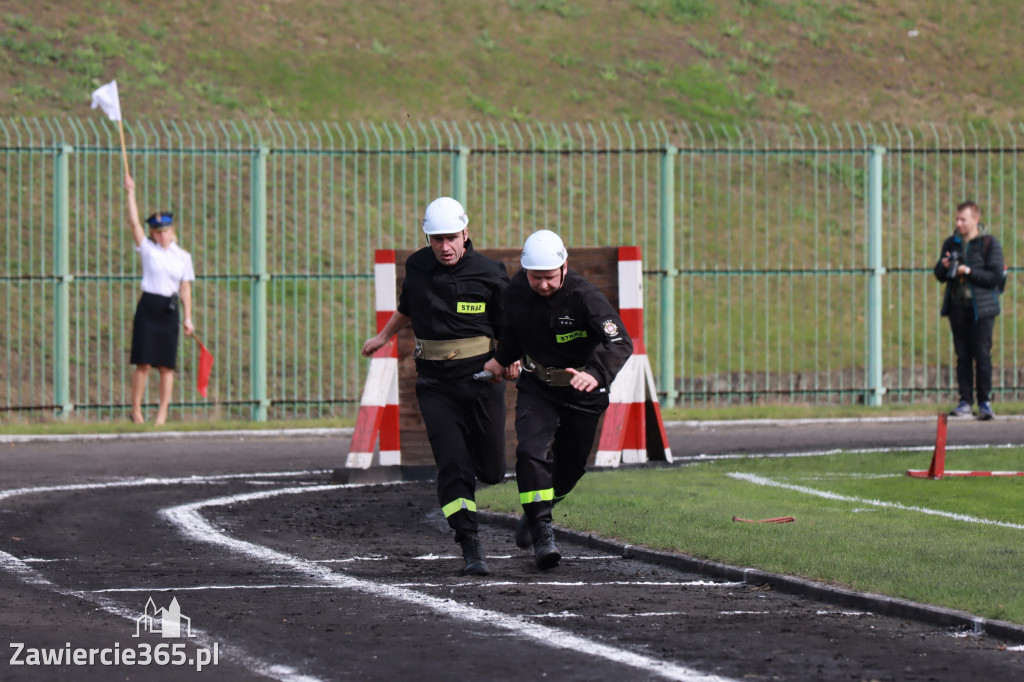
161,220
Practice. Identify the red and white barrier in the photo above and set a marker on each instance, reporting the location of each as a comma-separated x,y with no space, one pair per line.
378,408
632,432
937,469
633,397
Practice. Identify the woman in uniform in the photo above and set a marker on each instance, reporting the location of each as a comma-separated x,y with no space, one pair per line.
167,275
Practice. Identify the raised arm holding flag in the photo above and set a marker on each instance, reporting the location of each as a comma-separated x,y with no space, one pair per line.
167,275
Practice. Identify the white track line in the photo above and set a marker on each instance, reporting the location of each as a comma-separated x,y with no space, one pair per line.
568,614
29,575
473,584
189,520
187,517
762,480
820,421
556,583
449,557
143,482
836,451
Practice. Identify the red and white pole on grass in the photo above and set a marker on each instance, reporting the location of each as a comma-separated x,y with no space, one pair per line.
937,469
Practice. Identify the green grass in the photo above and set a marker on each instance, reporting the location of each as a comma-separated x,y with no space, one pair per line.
393,60
872,535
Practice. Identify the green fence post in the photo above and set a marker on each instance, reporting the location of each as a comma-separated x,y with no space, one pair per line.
259,286
459,175
666,318
874,312
62,276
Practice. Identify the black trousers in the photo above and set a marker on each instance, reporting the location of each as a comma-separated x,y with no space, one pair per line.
465,421
554,442
972,342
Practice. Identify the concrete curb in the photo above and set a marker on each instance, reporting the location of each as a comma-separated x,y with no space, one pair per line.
840,596
348,431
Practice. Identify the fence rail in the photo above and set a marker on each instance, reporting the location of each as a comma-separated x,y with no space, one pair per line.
781,263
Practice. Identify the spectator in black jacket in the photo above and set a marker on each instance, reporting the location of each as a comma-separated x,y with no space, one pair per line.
971,265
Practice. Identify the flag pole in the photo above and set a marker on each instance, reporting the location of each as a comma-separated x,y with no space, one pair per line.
124,152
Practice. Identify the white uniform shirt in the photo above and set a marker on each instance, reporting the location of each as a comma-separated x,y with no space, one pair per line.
163,271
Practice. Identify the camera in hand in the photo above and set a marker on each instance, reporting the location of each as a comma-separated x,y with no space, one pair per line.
955,261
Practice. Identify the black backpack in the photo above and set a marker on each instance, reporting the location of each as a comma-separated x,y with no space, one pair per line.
986,246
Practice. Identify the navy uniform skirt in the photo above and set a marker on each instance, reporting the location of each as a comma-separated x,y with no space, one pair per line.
155,331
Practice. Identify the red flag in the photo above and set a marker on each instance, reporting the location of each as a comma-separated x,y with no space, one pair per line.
205,366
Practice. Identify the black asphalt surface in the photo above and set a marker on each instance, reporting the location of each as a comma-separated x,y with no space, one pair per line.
288,577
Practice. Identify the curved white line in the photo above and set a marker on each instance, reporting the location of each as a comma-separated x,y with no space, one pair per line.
189,521
142,482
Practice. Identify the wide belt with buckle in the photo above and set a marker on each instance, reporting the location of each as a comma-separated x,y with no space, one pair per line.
552,376
449,349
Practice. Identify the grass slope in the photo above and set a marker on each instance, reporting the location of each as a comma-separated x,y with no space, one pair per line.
398,60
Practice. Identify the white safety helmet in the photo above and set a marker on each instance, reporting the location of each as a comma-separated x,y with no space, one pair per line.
543,250
444,215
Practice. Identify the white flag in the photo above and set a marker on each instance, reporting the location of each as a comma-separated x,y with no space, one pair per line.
106,99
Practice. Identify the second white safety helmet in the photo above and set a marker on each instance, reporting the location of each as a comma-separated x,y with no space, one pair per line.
543,250
444,215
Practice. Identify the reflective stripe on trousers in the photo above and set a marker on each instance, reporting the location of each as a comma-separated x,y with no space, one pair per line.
458,505
537,496
554,442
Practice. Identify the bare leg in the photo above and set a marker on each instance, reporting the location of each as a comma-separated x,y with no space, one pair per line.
166,389
138,389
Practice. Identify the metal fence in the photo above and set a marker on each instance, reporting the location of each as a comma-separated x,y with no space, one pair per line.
782,264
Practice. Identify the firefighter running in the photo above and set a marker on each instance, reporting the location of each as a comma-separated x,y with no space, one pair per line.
572,344
452,296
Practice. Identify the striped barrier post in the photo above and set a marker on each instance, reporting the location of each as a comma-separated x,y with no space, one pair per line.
632,397
378,407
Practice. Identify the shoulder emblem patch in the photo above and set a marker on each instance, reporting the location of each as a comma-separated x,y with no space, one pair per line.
610,328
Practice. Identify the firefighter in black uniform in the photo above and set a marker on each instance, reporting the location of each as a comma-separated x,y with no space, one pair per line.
571,343
452,296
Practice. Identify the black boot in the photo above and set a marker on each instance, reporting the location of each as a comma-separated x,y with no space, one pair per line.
474,556
545,554
523,538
